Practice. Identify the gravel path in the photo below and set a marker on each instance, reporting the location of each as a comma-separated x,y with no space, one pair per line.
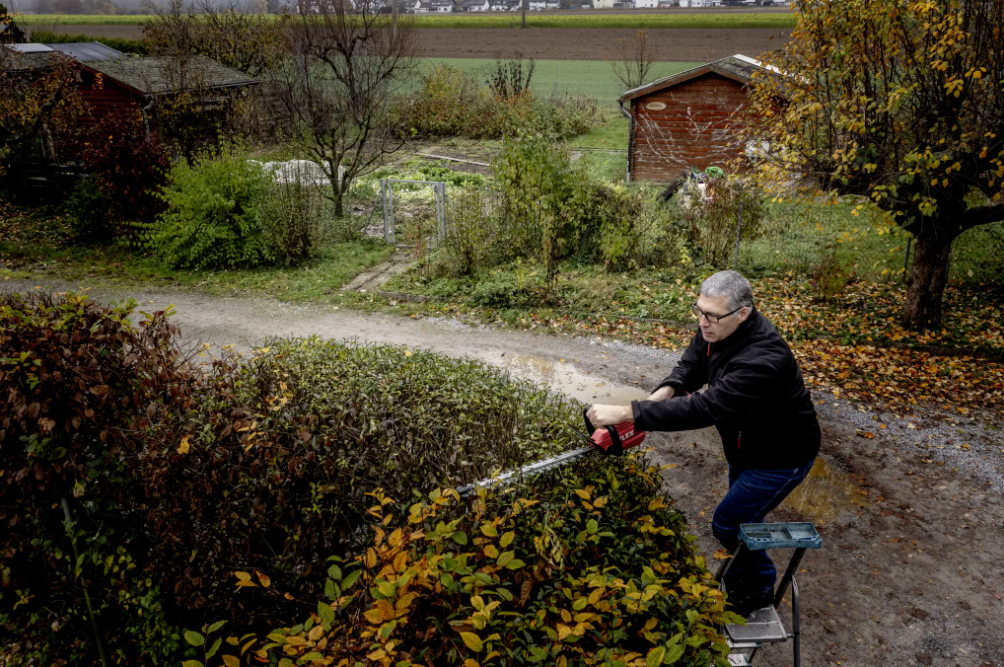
910,509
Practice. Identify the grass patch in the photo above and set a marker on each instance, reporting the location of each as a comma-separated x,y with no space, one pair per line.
34,241
471,20
594,78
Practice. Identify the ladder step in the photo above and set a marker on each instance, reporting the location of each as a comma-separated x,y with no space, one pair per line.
739,660
762,625
741,646
780,535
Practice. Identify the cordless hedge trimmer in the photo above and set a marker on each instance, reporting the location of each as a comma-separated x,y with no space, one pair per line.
609,440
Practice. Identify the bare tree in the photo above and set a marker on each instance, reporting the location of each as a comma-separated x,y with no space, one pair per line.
334,87
633,67
230,33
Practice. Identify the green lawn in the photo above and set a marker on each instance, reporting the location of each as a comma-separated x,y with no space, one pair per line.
572,19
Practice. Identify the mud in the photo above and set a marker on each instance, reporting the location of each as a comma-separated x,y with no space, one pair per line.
910,570
669,45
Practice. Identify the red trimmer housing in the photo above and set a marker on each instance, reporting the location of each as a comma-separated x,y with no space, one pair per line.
613,440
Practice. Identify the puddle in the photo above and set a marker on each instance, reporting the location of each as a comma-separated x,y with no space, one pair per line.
565,378
825,494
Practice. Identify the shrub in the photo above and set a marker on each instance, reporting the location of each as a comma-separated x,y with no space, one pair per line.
175,477
129,165
293,214
88,397
540,199
468,239
214,215
509,78
582,567
831,276
451,103
718,216
88,210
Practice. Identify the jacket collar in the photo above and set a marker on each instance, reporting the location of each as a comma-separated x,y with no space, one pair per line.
741,335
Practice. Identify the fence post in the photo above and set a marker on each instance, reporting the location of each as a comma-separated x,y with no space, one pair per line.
383,204
390,212
739,230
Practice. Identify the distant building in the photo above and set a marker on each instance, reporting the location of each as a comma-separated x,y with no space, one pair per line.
475,6
690,119
435,7
646,4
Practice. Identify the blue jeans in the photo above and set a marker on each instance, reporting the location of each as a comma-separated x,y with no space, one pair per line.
752,494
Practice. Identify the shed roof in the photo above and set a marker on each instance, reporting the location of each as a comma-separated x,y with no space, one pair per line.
88,51
39,56
159,75
738,68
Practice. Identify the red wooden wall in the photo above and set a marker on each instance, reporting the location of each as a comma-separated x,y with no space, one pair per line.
697,127
106,98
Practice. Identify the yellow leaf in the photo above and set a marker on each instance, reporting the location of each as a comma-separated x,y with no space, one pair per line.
563,631
471,662
472,640
373,616
507,539
395,538
183,447
582,493
408,353
371,558
263,578
243,576
231,661
315,633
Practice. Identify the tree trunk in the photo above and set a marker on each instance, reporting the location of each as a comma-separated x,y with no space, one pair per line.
928,278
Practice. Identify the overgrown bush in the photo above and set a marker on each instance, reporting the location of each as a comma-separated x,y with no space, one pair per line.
174,478
831,276
717,218
129,165
214,217
88,209
85,425
453,103
581,567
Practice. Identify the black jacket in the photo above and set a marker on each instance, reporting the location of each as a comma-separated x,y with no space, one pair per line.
755,397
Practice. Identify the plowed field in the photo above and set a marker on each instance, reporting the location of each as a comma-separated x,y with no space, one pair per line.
669,45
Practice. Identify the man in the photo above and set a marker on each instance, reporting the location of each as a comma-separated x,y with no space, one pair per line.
757,400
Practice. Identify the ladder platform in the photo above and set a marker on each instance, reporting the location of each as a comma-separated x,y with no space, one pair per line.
762,626
781,535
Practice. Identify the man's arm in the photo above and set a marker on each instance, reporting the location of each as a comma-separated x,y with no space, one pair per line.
741,391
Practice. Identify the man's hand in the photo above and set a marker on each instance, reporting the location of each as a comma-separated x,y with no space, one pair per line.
606,415
662,394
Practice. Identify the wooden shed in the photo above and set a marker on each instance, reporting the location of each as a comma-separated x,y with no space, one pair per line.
690,119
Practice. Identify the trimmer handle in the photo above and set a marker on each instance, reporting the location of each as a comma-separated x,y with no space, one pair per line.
613,440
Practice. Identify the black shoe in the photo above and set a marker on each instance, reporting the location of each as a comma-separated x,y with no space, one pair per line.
744,603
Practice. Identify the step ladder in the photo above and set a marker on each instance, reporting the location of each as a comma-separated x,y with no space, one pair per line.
764,626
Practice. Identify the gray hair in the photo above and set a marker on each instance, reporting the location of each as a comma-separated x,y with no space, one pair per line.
732,286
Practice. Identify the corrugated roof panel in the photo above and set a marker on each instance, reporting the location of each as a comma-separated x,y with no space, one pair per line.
29,48
88,51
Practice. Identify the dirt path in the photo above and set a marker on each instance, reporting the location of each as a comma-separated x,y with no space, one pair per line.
374,277
912,518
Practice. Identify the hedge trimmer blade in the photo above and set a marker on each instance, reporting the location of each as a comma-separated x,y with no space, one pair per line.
609,440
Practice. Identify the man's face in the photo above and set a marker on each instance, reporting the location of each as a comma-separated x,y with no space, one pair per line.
718,305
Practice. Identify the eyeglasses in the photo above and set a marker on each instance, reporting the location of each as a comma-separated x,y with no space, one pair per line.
714,319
